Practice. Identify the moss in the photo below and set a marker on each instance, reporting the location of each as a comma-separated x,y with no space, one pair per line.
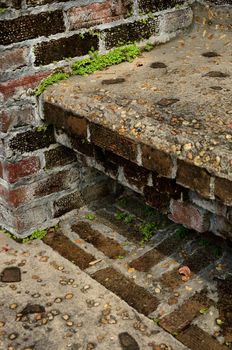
37,234
52,79
148,230
42,128
97,62
148,47
2,10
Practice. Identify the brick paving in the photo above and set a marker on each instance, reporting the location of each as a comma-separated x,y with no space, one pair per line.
145,274
106,241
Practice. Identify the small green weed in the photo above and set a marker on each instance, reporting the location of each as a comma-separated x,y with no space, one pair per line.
90,216
203,310
2,10
122,216
148,47
99,62
52,79
219,322
37,234
182,232
42,128
148,230
120,257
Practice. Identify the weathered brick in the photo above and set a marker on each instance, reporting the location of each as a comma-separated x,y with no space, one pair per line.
130,32
113,141
25,219
193,177
80,144
97,13
31,26
147,6
59,156
30,81
164,185
32,140
184,315
222,226
157,199
13,59
176,20
14,197
193,337
67,203
189,215
42,2
136,175
72,123
17,170
108,160
16,117
72,46
223,190
56,182
156,160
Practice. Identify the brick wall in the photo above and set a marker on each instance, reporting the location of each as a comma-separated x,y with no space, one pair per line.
39,179
36,38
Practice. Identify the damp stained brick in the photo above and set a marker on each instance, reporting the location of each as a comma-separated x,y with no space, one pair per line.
113,141
193,177
195,338
67,203
154,256
106,245
59,156
72,46
184,315
72,123
136,296
31,26
146,6
199,260
32,140
69,250
130,32
157,160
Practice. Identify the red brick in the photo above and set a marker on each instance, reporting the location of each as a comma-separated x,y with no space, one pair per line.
13,59
5,121
97,13
30,81
14,171
14,197
189,215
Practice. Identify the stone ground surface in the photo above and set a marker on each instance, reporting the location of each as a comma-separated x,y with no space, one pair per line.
176,98
95,283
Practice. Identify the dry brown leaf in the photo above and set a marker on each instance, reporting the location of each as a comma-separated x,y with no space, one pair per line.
185,272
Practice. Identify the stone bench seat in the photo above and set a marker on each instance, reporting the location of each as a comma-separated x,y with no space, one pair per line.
165,119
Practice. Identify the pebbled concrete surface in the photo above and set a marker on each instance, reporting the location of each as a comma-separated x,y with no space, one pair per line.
75,306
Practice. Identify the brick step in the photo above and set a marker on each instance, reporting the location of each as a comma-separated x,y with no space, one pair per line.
151,282
160,137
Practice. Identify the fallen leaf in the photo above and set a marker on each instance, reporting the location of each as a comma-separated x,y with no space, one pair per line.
94,262
131,269
185,272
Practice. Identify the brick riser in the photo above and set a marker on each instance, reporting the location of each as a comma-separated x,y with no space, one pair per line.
153,175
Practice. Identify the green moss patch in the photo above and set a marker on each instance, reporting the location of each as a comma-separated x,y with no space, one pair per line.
99,62
52,79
